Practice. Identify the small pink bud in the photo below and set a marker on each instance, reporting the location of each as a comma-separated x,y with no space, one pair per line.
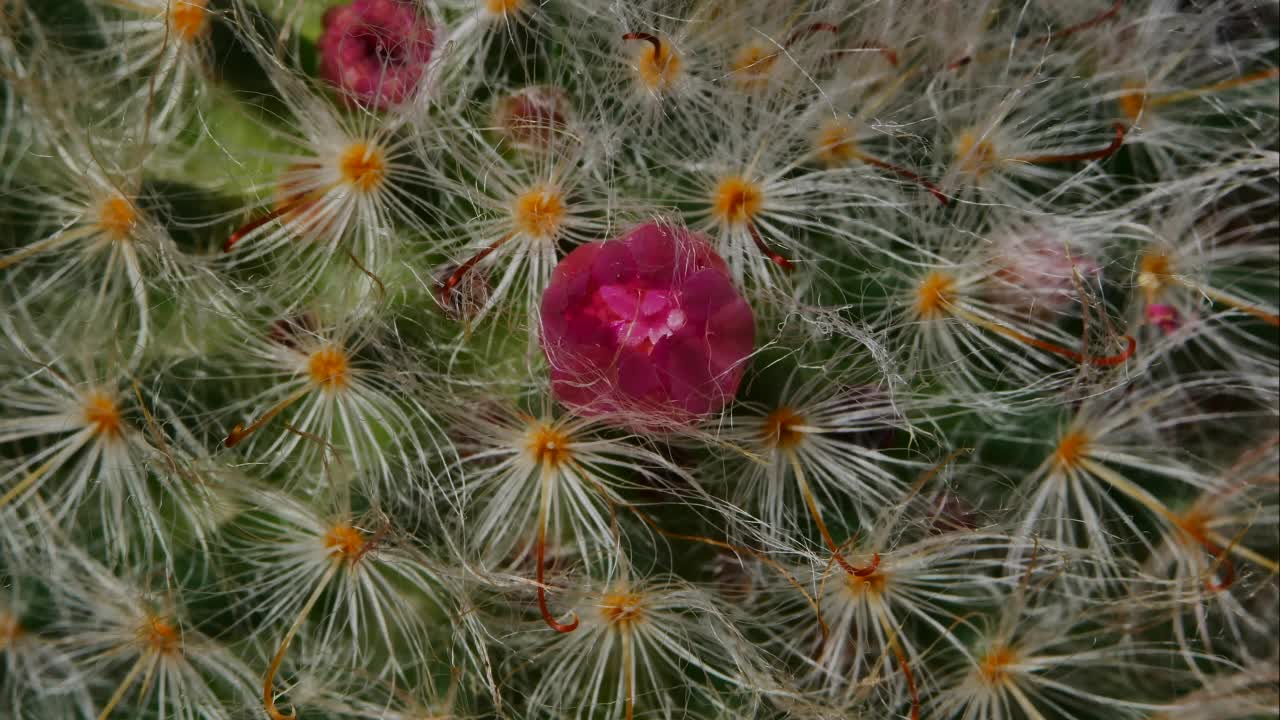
376,50
648,325
1165,317
532,116
948,511
290,331
1036,274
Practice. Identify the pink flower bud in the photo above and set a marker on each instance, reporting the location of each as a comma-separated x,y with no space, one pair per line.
532,116
376,50
949,511
290,330
648,325
1165,317
1037,275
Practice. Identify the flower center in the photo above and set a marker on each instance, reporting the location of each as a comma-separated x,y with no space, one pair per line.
1153,273
870,584
835,142
1072,449
188,18
994,666
752,65
1195,524
549,446
934,293
101,414
658,65
975,155
622,608
539,213
503,7
1133,100
161,636
782,429
328,368
363,167
344,541
640,317
117,218
10,630
737,200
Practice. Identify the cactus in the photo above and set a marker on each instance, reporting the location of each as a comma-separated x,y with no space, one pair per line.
658,359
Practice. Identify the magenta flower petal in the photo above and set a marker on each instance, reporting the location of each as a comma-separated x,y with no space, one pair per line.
706,292
572,275
687,373
649,326
621,301
614,265
653,257
376,50
638,378
731,334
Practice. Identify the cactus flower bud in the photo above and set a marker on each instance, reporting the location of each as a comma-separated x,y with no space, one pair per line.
1165,317
376,50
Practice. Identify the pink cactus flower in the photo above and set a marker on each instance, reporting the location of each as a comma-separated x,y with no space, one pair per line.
376,50
648,326
1165,317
